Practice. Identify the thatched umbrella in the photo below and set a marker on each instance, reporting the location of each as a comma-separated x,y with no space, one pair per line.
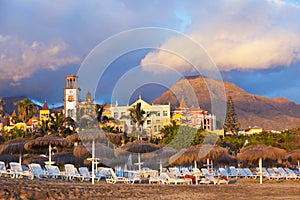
137,146
163,155
260,152
204,152
74,138
101,151
8,158
88,136
14,146
36,159
48,142
63,158
294,156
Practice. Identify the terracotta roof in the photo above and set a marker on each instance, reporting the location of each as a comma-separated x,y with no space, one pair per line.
14,114
45,106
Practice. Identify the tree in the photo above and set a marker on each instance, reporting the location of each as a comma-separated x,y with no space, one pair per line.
26,109
231,122
137,115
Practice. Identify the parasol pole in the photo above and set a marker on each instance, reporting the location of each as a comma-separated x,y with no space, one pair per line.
20,158
93,157
260,170
207,163
139,161
195,165
160,166
50,149
298,166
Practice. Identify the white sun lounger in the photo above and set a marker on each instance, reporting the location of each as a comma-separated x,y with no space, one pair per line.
166,179
18,172
37,170
54,172
114,178
86,174
71,173
3,170
175,173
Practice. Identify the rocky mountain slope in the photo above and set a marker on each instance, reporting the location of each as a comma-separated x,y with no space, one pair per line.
251,109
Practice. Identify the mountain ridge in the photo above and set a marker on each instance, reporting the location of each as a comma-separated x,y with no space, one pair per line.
252,110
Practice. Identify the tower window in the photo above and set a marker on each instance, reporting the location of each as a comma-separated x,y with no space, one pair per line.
70,98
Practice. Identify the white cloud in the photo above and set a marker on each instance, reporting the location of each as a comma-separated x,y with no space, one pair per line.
249,34
20,59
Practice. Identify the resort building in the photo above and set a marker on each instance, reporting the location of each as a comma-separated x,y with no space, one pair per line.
156,117
194,117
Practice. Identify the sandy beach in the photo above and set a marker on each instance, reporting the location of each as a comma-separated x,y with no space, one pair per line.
59,189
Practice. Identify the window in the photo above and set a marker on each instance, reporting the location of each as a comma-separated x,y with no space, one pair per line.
198,120
155,129
122,114
70,98
148,122
158,127
165,113
116,115
158,114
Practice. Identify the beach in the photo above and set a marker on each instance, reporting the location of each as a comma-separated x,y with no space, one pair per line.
60,189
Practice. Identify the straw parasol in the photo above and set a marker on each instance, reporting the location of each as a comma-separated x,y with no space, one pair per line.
163,155
294,156
101,151
138,146
48,142
8,158
204,152
14,146
260,152
35,159
63,158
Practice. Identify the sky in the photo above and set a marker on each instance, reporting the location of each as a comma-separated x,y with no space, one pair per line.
254,43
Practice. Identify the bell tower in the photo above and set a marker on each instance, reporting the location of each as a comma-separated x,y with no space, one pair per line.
71,96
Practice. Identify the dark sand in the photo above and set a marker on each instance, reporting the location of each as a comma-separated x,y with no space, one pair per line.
59,189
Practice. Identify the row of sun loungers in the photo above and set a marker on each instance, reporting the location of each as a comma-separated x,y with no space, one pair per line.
173,175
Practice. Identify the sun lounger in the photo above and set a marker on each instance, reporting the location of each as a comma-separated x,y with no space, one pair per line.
223,172
37,170
71,173
18,172
241,173
273,174
175,173
103,172
249,173
3,170
114,178
291,174
185,171
134,176
233,172
166,179
54,172
86,174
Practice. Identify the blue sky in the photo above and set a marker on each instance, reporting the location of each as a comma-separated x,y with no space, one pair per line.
254,43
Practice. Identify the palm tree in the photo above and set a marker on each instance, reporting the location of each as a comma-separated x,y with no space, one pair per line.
137,115
26,109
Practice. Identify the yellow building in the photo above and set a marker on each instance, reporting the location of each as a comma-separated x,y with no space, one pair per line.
44,112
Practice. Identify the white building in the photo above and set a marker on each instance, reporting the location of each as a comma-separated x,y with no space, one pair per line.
157,117
71,96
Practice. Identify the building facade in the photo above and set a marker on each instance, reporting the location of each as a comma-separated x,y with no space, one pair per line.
71,96
156,117
194,117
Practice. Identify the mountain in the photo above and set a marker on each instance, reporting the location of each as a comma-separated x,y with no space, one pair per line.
252,110
11,104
